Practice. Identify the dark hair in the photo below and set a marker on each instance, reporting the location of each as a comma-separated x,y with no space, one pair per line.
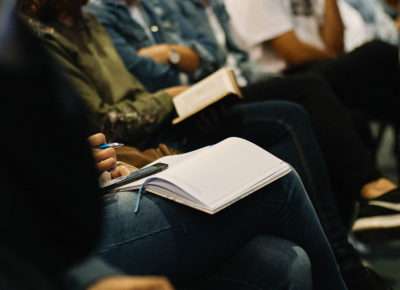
50,10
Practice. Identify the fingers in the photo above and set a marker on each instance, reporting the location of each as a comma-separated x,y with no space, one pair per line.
122,170
106,159
97,139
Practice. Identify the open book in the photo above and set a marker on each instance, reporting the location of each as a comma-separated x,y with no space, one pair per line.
213,177
204,93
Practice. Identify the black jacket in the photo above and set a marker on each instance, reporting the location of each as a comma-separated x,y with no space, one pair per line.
50,208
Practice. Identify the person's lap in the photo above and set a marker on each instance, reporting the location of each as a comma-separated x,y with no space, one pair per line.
170,239
367,78
283,128
286,264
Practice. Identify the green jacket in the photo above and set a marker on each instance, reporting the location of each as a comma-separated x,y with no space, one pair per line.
119,104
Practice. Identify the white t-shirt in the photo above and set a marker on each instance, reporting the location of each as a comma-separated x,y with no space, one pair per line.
257,21
356,31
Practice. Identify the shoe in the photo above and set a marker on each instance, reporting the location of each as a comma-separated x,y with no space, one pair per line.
364,278
391,199
378,221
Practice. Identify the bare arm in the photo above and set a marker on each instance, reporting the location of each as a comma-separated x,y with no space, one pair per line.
189,59
296,52
332,31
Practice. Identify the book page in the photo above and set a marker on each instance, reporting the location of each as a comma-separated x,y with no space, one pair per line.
215,176
223,171
205,92
171,160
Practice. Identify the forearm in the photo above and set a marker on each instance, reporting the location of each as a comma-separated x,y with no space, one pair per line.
296,52
190,60
332,30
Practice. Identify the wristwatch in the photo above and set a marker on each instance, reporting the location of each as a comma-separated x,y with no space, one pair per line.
174,57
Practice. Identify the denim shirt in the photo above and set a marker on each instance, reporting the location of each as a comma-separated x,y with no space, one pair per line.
195,12
377,20
128,37
393,13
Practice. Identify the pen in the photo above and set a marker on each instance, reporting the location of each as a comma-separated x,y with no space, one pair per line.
108,145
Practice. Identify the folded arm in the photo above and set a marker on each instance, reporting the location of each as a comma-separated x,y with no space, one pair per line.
296,52
189,59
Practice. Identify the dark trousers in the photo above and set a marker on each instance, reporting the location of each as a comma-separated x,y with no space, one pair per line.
367,78
349,164
283,128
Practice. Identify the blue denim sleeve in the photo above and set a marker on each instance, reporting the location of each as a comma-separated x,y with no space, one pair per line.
88,272
152,75
203,44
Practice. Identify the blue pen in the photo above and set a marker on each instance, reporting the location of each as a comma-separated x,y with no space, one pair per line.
108,145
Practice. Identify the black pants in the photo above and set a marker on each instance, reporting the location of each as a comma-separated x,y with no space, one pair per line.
349,164
368,78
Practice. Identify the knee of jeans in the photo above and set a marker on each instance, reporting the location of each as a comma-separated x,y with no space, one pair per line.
293,186
120,202
299,267
296,268
291,265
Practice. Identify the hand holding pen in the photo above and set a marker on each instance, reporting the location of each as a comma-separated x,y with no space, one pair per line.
106,158
104,153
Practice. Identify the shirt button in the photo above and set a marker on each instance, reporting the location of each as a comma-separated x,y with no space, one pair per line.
154,28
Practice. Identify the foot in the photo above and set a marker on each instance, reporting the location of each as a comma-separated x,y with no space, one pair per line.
379,219
364,279
377,188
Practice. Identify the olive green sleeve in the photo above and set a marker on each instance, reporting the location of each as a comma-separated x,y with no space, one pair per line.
129,119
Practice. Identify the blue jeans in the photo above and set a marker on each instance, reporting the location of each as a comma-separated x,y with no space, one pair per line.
284,129
231,248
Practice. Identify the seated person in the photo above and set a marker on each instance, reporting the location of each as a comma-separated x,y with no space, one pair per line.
260,235
294,40
128,34
320,102
305,36
192,57
121,106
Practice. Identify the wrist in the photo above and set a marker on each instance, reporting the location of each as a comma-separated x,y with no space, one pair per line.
174,56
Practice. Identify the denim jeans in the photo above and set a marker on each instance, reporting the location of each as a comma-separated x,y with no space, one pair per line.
349,164
231,248
283,128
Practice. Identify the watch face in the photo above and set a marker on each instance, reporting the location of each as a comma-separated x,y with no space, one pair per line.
174,57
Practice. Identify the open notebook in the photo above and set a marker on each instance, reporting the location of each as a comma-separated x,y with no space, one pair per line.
213,177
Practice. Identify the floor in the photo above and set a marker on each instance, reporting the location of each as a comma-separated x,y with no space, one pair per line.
384,257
